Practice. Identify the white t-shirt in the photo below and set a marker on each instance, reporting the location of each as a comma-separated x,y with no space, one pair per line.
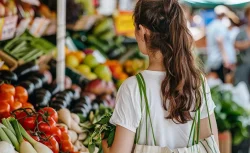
128,114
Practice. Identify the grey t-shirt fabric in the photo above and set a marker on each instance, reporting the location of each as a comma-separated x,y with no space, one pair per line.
244,54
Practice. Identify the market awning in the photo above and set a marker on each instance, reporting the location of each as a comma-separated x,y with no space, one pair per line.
213,3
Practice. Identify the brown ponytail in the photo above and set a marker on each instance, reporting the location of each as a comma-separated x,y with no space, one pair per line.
169,34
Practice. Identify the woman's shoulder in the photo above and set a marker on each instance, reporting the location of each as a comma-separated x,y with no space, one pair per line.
129,83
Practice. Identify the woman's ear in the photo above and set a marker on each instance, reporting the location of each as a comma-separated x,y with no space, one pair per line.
142,32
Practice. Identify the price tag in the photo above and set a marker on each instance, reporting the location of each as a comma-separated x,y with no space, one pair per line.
7,27
124,23
39,26
32,2
22,26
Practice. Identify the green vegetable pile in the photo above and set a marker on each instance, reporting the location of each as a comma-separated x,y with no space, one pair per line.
27,47
229,115
99,128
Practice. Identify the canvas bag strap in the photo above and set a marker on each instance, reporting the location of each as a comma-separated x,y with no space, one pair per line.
195,129
142,88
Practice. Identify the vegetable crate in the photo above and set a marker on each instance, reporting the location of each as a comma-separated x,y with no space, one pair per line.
8,60
8,27
225,141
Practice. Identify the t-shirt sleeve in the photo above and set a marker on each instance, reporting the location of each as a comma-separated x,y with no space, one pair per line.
240,36
127,112
209,106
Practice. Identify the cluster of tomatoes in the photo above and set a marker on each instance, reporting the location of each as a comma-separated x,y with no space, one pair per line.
12,98
43,127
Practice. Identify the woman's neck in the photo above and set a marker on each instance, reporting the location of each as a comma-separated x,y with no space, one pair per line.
156,62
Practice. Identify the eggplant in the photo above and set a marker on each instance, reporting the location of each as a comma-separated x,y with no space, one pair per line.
26,68
42,77
28,85
53,89
76,95
43,92
57,107
7,75
36,81
58,101
41,101
64,95
81,111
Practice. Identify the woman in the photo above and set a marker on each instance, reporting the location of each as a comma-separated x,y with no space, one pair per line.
172,79
242,43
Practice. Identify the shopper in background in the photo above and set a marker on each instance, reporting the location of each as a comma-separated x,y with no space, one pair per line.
218,44
243,45
173,84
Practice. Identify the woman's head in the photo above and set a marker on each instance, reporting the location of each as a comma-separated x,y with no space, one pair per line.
161,27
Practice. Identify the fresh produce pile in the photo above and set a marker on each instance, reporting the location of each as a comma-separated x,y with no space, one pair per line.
27,47
11,135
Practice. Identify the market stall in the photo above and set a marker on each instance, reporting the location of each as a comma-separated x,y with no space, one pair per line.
60,71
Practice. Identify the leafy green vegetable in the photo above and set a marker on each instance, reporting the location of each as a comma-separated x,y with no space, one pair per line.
229,115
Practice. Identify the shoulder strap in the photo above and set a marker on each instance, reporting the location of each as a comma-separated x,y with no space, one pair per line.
205,96
195,128
142,88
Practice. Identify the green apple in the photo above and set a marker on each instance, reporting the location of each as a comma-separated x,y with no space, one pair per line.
84,69
91,61
91,76
103,72
72,61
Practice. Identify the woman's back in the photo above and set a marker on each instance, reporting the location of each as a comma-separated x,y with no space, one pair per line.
128,112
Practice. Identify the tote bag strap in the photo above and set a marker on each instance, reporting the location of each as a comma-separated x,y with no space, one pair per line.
142,89
195,128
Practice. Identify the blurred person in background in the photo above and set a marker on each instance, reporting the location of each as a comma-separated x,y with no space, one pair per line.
218,44
242,43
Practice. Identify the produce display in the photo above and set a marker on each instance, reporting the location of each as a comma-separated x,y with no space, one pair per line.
27,47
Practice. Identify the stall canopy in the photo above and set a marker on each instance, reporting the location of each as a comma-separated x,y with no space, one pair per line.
213,3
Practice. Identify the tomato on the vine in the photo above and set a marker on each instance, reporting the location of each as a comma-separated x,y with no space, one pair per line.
65,136
29,123
46,126
62,128
21,94
52,144
6,98
56,132
67,146
35,137
20,116
49,112
7,88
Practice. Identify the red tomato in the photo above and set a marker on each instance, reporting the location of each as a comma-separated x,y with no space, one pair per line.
21,94
62,128
52,144
35,137
47,127
16,105
7,88
56,132
65,136
6,98
49,112
4,108
67,146
29,123
20,116
27,105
